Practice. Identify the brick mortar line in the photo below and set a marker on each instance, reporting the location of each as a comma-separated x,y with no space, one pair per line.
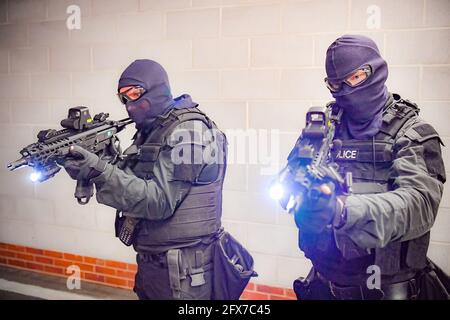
70,262
92,43
322,33
8,262
214,100
280,32
349,14
230,100
424,12
443,243
281,67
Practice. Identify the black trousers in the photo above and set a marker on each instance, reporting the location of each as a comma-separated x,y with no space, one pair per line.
152,282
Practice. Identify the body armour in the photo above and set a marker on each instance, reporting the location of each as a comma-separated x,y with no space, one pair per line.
370,162
197,216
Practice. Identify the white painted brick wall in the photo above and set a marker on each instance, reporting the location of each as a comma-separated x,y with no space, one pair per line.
50,85
47,33
26,10
276,51
193,23
315,16
196,83
25,60
255,64
70,58
150,25
13,35
3,11
251,20
220,53
437,13
107,7
398,14
20,111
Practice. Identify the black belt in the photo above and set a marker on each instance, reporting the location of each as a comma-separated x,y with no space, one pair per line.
406,290
160,258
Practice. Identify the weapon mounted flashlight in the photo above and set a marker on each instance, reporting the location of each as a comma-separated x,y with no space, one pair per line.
276,191
35,176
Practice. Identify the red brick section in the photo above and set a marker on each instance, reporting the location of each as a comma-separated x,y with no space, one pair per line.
106,272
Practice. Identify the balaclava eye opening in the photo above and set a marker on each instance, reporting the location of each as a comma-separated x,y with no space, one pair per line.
157,99
363,105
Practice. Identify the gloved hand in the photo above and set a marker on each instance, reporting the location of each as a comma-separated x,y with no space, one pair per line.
319,209
83,165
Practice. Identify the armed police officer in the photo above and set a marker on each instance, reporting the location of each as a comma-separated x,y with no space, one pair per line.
167,189
383,227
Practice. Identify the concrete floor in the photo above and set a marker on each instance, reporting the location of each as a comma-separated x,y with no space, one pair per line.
6,295
26,285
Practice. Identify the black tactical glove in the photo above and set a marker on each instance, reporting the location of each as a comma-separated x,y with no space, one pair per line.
83,165
319,209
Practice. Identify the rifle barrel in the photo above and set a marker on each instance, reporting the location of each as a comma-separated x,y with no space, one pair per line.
17,164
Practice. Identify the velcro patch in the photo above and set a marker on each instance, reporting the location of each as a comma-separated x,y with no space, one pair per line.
422,133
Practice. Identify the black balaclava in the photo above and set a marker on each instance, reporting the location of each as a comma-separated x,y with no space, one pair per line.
157,100
363,105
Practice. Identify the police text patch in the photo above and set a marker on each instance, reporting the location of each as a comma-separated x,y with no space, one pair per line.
347,154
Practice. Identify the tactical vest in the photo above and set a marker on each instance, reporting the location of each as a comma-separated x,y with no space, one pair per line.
199,213
370,162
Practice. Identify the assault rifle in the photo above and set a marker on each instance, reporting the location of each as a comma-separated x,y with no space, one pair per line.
310,162
97,135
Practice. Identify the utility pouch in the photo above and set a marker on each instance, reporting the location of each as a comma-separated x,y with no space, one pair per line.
126,228
233,268
302,286
434,283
